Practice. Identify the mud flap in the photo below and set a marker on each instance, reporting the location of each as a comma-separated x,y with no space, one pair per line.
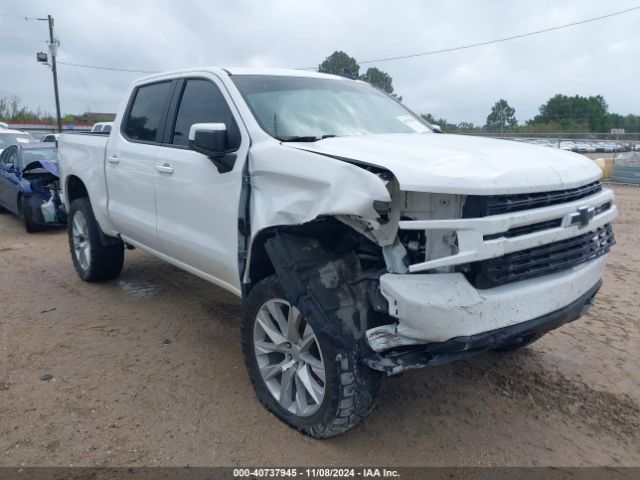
327,287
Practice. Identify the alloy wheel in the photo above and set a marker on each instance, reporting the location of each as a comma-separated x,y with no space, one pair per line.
80,235
289,357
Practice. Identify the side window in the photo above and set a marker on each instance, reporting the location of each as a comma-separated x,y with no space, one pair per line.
202,102
146,113
106,128
3,157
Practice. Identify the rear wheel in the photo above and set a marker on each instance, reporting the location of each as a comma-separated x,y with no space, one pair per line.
92,259
305,377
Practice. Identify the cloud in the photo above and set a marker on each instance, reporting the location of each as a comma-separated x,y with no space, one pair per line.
591,59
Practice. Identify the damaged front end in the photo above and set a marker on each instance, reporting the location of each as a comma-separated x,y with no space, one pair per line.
420,278
40,186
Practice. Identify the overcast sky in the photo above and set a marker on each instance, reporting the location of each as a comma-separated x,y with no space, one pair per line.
596,58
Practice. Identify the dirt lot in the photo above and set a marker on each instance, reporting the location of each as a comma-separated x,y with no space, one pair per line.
147,370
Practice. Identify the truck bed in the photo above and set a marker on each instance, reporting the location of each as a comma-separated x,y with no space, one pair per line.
82,155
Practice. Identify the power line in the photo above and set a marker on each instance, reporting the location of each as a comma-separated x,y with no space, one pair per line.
99,67
75,69
499,40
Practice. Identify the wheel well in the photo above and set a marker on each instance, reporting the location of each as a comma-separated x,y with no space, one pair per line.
334,235
75,189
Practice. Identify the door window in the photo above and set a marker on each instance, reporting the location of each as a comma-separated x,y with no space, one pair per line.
146,115
202,102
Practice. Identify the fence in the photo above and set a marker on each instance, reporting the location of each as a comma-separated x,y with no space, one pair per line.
626,168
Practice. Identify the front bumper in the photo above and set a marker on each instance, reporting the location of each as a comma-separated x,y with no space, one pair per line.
35,202
437,307
437,353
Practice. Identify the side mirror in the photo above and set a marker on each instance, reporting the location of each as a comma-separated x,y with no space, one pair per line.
212,140
10,167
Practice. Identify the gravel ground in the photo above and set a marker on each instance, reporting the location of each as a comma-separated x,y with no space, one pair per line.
147,370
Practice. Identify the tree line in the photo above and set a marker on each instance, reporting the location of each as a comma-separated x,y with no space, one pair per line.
561,113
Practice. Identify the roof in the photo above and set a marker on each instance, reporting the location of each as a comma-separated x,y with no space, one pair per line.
36,145
290,72
10,130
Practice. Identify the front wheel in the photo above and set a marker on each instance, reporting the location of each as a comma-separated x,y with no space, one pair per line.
26,213
306,378
93,260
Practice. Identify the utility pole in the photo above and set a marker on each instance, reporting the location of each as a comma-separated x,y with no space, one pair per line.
53,48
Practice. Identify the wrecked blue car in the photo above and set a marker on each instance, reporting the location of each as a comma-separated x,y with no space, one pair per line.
30,185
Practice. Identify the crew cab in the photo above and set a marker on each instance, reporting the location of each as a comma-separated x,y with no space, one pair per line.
361,241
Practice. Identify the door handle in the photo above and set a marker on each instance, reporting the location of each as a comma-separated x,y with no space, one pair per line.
165,168
113,159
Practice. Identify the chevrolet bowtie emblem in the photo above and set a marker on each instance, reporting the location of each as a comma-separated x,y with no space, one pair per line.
582,217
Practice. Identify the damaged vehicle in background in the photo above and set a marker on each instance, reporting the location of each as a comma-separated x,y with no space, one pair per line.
361,242
30,185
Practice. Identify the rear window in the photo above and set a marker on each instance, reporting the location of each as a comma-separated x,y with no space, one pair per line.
146,114
37,155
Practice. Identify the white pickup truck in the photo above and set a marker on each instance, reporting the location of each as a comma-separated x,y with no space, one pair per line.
361,241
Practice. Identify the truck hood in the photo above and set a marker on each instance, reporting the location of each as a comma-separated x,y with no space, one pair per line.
461,164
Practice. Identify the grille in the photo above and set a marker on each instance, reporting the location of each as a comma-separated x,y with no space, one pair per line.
543,260
482,206
538,227
517,231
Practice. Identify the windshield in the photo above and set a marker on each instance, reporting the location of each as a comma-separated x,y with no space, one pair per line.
8,139
309,109
38,154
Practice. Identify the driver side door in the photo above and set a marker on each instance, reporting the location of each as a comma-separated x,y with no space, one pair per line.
197,206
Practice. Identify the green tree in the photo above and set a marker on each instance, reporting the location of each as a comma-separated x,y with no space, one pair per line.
576,113
502,117
630,123
378,78
338,62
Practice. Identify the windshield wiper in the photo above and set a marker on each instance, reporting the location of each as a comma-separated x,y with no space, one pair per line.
300,138
304,138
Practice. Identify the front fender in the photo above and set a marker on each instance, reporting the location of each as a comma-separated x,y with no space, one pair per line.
291,187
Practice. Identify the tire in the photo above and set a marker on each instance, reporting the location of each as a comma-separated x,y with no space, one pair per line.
349,391
26,215
93,260
519,343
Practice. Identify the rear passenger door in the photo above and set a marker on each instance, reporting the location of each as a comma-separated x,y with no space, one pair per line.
129,165
197,207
